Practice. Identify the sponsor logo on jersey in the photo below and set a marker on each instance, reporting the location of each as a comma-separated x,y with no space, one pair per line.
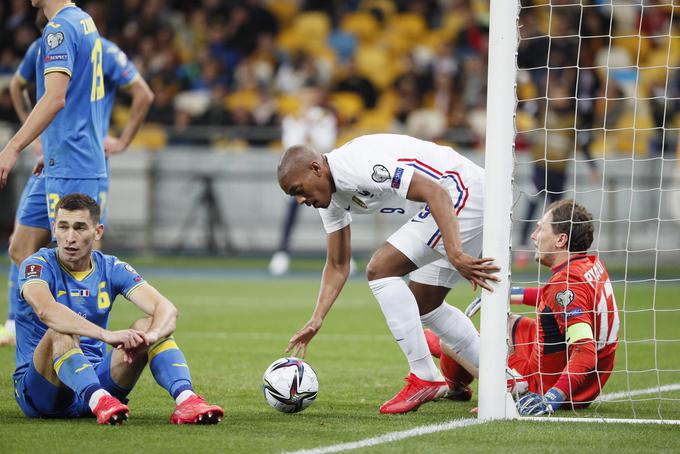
564,298
33,271
396,180
380,173
55,57
574,312
53,40
359,202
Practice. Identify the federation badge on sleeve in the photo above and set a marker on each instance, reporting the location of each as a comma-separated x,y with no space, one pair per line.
53,40
564,298
32,271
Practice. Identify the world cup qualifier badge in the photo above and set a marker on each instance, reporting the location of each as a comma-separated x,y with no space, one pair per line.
53,40
32,271
380,173
564,298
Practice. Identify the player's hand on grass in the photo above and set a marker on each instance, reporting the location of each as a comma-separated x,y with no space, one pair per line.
8,158
474,307
477,271
39,166
532,404
298,343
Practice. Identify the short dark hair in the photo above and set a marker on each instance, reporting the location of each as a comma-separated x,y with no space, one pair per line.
575,221
75,202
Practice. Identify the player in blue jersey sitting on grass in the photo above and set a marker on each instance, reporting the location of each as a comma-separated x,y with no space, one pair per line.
63,368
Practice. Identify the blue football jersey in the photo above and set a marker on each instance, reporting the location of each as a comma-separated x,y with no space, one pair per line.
73,142
89,294
119,71
26,69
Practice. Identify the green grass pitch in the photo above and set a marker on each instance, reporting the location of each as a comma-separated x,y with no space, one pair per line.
231,329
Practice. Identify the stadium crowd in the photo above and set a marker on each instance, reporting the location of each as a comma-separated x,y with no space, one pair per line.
226,71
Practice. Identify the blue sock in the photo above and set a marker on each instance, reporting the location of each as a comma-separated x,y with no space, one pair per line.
13,291
169,367
76,372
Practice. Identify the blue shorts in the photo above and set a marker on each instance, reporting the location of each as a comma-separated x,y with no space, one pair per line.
31,211
41,198
38,398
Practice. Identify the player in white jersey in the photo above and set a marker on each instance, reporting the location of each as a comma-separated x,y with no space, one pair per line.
381,173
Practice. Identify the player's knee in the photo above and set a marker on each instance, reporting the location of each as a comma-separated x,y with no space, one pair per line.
141,324
374,269
61,343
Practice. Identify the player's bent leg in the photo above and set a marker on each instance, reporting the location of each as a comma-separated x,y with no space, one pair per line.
171,371
61,365
400,308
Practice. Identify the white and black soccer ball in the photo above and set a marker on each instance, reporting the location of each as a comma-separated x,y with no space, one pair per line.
290,385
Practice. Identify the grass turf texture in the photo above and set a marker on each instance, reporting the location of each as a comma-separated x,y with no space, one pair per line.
232,329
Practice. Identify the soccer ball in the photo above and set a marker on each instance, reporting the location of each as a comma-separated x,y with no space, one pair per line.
290,385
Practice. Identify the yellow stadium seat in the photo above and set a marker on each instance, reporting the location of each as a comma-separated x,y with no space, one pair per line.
348,105
313,26
284,10
409,25
361,24
376,63
375,120
247,99
288,105
151,136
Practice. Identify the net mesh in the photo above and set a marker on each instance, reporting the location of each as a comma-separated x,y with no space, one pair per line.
598,91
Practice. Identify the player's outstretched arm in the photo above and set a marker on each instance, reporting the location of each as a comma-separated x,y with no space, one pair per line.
62,319
54,99
163,313
142,97
335,273
477,271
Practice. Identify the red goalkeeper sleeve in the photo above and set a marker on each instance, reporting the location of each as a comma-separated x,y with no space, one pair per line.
582,362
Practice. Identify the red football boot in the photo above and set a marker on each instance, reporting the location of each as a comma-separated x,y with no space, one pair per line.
415,393
433,343
110,410
195,410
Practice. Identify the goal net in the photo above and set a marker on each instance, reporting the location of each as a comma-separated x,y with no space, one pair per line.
597,92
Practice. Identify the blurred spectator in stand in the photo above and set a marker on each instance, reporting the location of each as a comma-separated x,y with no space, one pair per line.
552,148
314,125
355,82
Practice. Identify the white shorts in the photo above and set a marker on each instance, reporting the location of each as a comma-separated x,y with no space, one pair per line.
420,240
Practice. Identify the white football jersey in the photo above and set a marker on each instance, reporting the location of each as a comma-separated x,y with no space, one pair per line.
372,173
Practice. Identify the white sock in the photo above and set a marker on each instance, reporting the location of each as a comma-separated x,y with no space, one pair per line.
456,330
401,313
94,398
10,326
184,395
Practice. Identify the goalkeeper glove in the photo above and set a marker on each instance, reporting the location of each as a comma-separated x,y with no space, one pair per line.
533,404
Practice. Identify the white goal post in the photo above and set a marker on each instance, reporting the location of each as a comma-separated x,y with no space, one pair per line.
500,139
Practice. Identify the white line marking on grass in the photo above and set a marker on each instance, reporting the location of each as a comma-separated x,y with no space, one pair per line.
391,436
638,392
601,420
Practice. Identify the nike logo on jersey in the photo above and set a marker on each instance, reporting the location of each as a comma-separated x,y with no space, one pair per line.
61,293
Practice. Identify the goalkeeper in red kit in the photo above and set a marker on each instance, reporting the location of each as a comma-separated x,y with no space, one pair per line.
566,353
